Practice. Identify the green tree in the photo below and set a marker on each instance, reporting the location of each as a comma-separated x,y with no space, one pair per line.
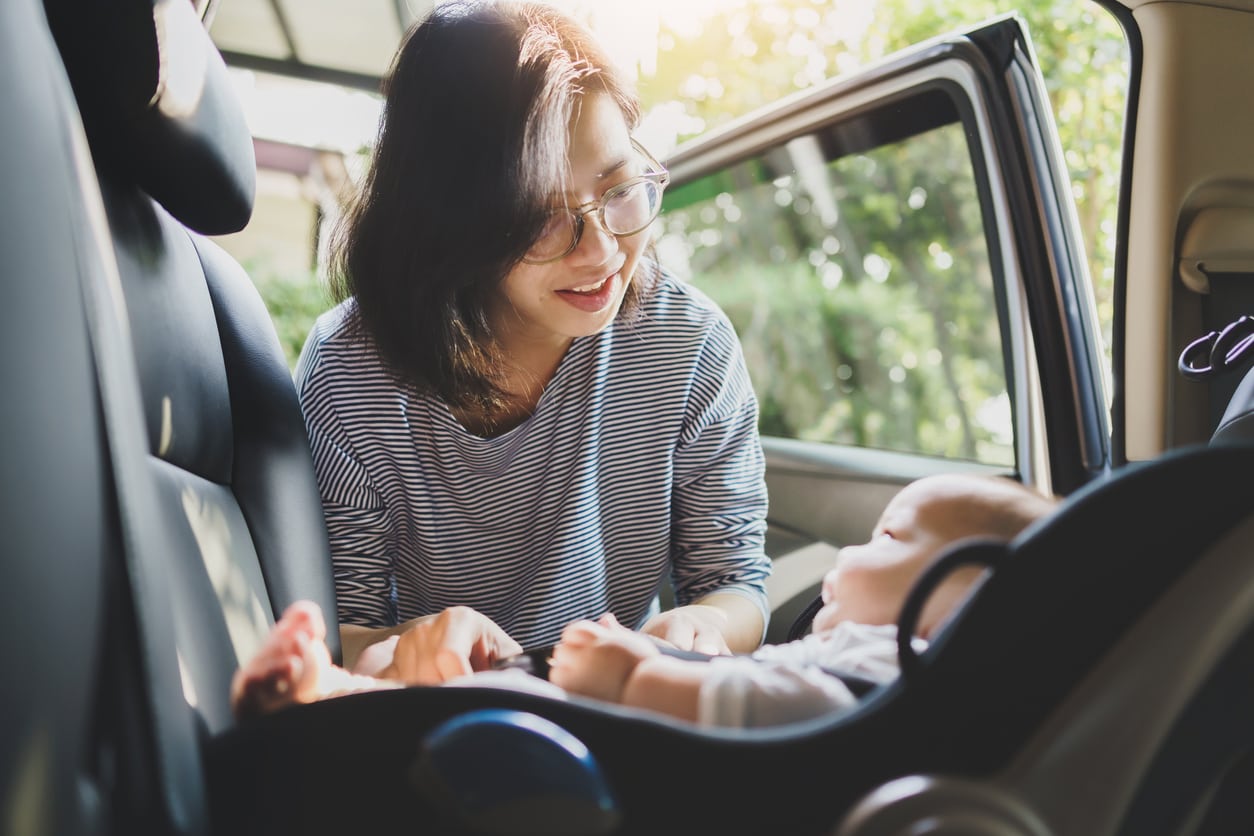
294,303
830,362
751,53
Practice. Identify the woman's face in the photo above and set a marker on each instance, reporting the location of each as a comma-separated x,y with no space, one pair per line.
579,294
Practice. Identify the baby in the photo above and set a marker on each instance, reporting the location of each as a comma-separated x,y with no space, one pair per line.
853,632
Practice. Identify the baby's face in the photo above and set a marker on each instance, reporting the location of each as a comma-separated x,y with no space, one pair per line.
869,582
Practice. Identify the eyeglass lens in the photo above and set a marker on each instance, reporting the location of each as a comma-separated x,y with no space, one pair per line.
623,210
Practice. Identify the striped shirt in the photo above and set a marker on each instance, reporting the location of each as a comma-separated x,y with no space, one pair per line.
641,463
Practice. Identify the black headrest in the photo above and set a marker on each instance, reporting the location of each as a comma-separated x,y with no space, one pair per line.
158,106
1237,424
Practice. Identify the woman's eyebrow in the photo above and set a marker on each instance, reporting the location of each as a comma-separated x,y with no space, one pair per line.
612,167
608,170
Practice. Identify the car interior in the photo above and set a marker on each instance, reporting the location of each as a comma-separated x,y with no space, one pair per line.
162,510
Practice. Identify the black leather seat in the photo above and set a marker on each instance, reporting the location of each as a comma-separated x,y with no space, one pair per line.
226,443
59,537
169,508
1236,425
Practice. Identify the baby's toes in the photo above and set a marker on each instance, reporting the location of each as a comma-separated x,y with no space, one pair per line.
303,618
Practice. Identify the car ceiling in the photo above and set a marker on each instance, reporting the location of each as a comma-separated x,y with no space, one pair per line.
346,43
351,42
1239,5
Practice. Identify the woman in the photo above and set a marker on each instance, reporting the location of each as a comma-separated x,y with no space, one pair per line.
517,420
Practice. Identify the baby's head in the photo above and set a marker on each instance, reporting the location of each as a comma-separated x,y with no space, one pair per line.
870,581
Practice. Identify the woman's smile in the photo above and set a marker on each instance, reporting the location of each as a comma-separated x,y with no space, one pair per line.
592,298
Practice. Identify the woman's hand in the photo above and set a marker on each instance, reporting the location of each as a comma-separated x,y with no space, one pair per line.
376,658
456,642
597,658
695,627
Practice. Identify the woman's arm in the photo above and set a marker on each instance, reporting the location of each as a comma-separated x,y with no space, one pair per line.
719,506
357,519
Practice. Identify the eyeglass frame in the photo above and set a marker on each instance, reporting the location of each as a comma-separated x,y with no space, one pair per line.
660,176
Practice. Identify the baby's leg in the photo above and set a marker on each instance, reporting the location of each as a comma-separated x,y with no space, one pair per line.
289,666
294,666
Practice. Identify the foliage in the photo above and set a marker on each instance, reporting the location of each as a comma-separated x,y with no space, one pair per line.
840,359
294,302
753,52
861,290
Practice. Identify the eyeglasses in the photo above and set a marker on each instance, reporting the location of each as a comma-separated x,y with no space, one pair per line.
623,210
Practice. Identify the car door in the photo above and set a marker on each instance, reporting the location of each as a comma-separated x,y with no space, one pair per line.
899,254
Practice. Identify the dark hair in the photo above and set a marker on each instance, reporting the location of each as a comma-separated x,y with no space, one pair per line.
472,145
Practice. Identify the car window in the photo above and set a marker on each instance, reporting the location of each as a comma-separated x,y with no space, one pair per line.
859,282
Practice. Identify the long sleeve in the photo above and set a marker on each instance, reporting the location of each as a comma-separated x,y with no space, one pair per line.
791,682
720,501
358,527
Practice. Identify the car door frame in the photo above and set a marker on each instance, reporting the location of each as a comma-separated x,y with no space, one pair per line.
1051,337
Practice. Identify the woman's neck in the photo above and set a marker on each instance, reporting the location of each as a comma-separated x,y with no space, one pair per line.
531,366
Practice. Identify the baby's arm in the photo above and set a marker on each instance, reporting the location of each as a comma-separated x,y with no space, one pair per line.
668,685
597,658
604,660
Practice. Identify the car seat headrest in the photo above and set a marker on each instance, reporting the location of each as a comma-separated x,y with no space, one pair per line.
158,107
1237,424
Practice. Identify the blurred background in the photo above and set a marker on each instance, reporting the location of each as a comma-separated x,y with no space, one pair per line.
309,71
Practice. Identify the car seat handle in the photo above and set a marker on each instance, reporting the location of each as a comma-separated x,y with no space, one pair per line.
1218,351
975,551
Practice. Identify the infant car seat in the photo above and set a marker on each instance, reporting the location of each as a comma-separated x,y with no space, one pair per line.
1097,683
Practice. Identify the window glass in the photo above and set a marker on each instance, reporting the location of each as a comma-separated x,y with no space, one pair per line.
860,285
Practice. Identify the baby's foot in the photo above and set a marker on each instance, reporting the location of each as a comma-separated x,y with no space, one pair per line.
289,667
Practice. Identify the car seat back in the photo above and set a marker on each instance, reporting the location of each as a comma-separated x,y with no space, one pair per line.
226,443
171,508
1236,425
59,538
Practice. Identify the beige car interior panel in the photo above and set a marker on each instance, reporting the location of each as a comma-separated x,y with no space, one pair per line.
1192,167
